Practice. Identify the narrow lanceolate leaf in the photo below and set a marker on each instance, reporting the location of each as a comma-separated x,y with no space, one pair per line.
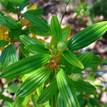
35,79
87,36
56,29
23,4
3,43
38,25
24,66
8,56
28,41
65,33
8,21
34,12
72,59
93,61
84,86
60,101
89,57
33,45
67,93
48,92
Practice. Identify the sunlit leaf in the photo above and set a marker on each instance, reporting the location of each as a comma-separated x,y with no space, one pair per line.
72,59
65,33
24,66
48,92
87,36
56,30
66,92
60,101
35,79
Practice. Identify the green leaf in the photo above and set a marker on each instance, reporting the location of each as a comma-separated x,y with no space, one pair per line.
35,79
8,21
92,59
23,4
26,40
87,36
16,32
90,105
34,100
12,88
24,52
5,98
8,56
83,86
48,92
66,92
8,104
56,30
10,5
15,2
60,101
21,101
38,25
95,102
89,57
34,12
24,66
72,59
33,45
3,43
65,33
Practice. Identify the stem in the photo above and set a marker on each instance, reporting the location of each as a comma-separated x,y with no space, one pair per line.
64,12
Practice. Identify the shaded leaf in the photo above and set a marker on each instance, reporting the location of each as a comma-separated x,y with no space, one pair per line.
15,33
33,45
23,4
8,56
8,21
84,86
89,57
3,43
38,25
34,12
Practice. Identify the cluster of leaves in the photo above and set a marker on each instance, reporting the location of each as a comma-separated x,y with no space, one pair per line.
47,73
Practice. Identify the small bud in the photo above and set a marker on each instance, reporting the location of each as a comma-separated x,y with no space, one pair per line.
61,46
